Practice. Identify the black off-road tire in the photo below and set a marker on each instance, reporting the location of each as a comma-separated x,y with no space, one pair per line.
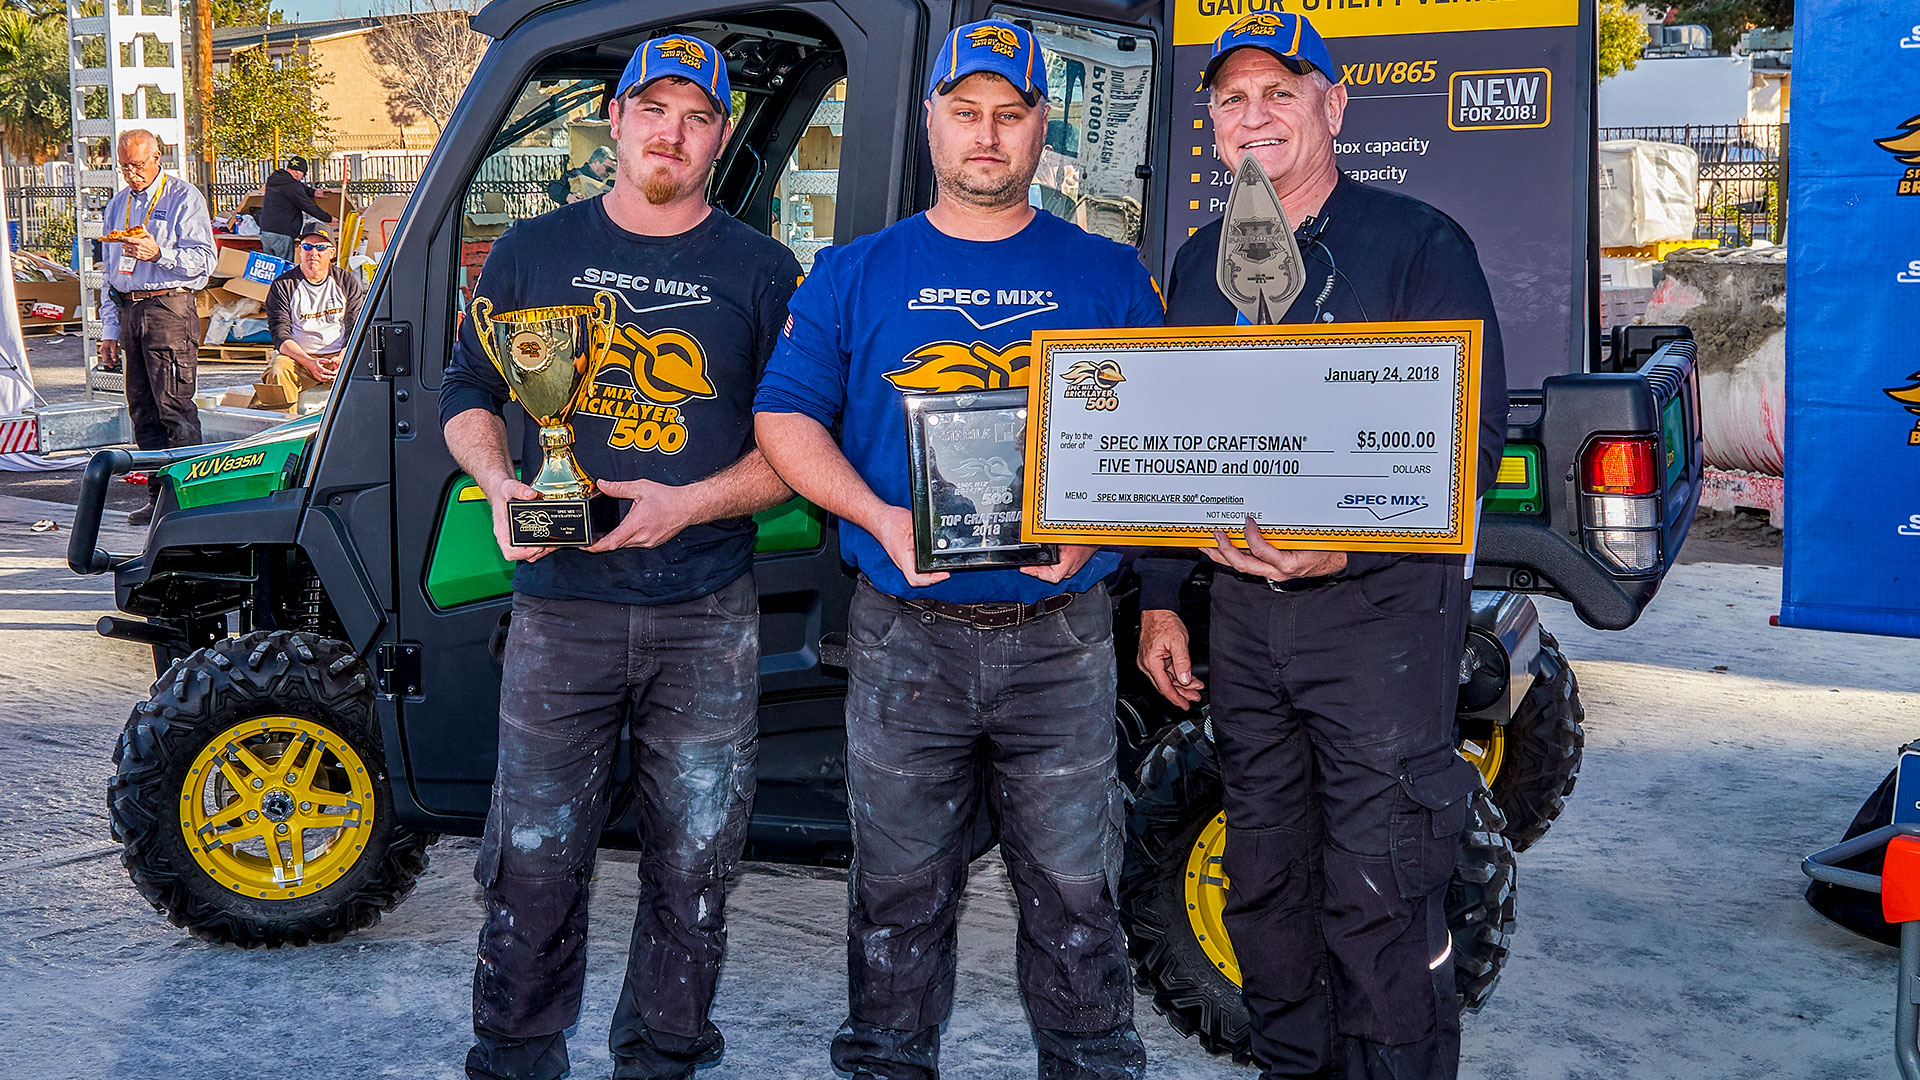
237,679
1544,744
1176,794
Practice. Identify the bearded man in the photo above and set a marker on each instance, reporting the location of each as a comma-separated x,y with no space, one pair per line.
653,630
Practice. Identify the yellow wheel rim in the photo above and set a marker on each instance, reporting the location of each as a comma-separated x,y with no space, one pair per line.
1486,754
1206,884
277,808
1207,897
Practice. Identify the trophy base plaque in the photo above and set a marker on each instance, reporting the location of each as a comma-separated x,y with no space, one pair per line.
553,522
549,523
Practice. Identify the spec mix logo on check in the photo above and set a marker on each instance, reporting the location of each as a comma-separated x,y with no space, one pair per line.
1383,507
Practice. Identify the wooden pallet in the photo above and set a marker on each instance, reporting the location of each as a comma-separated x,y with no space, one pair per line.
235,354
50,329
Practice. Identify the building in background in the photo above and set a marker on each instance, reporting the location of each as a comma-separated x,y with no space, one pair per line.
358,103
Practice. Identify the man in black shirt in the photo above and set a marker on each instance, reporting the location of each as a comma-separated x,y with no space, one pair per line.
1334,673
655,628
285,204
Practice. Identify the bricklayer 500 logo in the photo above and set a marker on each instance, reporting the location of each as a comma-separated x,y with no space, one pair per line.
1905,147
1096,382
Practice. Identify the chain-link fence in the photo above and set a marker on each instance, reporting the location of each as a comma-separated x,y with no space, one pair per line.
1743,177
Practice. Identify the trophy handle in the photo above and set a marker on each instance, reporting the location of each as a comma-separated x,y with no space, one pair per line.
481,312
601,329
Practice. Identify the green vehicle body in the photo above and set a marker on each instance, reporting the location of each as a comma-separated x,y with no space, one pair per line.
465,565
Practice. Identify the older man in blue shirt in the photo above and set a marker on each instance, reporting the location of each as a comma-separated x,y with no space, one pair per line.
161,254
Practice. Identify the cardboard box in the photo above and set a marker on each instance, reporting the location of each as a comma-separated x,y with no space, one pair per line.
220,294
204,303
380,221
64,295
334,202
272,396
263,268
231,263
337,203
247,287
240,397
492,222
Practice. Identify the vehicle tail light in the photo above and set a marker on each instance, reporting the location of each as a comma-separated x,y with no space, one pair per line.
1633,550
1619,467
1620,504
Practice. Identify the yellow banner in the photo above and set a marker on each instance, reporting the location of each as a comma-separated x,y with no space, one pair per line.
1198,22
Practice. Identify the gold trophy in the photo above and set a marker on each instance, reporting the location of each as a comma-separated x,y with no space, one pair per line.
548,357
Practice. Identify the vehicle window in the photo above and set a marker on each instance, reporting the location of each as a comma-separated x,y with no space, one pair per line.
1100,86
553,148
804,196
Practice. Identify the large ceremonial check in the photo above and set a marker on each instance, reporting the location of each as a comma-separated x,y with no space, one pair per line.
1347,437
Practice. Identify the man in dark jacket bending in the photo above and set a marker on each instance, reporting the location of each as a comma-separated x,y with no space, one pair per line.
284,208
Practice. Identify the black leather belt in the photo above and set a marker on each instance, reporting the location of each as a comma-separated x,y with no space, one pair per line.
145,294
995,615
1291,585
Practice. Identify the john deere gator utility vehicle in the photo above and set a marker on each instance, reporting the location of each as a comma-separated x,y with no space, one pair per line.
326,604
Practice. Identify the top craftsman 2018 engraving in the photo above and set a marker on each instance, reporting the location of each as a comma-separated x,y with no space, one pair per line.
967,465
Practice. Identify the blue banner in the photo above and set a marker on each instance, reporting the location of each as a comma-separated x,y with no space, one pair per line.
1853,301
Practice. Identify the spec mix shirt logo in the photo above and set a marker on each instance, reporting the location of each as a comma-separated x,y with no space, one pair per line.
646,380
948,367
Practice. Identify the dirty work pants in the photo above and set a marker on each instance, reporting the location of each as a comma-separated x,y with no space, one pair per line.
939,716
682,681
1332,711
160,355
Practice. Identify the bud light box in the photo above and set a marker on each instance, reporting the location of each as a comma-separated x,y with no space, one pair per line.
263,268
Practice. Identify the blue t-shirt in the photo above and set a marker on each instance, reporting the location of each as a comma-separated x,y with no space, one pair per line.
913,310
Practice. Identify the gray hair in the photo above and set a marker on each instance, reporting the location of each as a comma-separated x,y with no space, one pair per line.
133,135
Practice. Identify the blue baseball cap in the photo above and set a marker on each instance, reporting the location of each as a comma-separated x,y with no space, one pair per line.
681,55
992,45
1288,36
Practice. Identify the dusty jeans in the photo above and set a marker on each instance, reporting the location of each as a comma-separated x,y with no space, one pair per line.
940,715
683,681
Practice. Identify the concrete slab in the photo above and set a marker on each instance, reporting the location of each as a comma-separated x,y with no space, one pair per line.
1661,933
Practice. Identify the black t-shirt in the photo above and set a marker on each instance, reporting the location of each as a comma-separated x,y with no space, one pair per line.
696,318
1371,256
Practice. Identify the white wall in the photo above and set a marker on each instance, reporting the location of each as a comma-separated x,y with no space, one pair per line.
1680,90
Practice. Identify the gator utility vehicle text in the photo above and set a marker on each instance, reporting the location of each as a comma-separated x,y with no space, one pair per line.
325,601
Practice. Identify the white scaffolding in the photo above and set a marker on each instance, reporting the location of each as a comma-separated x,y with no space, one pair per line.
127,61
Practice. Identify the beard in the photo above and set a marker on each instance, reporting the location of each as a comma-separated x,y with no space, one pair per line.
654,182
993,192
659,188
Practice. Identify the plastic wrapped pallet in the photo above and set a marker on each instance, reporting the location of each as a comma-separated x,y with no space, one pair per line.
1646,192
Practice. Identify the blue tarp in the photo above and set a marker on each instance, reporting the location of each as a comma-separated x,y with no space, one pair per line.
1853,320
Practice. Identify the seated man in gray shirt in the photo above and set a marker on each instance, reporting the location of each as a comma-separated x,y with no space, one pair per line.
311,310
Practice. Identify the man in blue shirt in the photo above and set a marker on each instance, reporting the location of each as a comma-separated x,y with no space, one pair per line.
981,683
160,254
653,631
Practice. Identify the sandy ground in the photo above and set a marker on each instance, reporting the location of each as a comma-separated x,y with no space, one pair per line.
1661,929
